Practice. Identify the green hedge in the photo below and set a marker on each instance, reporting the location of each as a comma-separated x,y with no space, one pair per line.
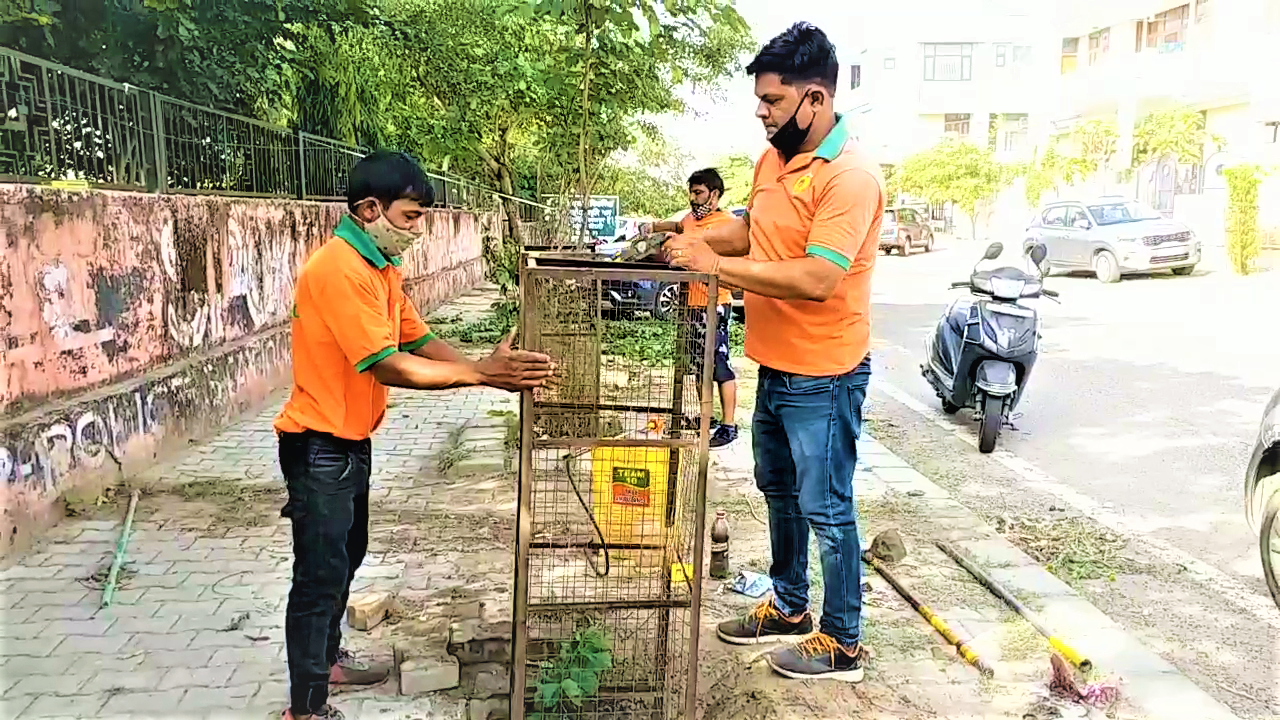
1243,238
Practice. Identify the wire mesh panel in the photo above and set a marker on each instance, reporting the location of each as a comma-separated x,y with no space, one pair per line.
612,489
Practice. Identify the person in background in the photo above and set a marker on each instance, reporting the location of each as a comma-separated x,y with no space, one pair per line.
356,333
706,188
804,253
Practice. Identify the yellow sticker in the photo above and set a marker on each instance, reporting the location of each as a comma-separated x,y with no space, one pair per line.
802,184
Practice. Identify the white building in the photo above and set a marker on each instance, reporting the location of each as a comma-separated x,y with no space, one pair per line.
971,70
1122,59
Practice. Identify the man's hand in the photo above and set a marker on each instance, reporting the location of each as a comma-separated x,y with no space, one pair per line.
514,369
692,254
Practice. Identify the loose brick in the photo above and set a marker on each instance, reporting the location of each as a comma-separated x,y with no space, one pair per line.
429,674
486,680
366,610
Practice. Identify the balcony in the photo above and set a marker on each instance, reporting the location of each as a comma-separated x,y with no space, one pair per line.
1175,74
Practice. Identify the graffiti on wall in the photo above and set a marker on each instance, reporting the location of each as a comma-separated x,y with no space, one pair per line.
96,434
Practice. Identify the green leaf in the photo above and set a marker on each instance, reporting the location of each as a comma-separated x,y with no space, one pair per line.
572,691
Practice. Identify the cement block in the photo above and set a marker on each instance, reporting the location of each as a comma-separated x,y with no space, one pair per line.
485,680
429,674
498,708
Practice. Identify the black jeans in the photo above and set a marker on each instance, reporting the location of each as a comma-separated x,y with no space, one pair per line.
328,481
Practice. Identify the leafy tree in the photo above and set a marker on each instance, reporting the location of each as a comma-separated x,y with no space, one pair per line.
1096,143
649,180
738,171
1178,132
956,172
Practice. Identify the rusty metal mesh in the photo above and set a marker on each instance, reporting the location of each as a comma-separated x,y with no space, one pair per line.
613,473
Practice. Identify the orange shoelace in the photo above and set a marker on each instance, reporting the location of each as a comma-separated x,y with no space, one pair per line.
763,612
819,644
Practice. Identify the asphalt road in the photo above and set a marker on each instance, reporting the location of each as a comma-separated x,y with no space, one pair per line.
1144,407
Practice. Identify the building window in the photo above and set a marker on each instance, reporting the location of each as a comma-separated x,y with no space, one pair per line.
956,123
1099,45
890,63
1002,55
1015,127
1204,11
952,61
1070,51
855,77
1167,31
1272,132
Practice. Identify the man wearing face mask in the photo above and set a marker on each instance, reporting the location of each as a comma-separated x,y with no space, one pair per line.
706,188
803,254
356,333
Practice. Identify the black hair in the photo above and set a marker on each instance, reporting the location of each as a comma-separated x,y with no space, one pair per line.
709,178
801,53
388,176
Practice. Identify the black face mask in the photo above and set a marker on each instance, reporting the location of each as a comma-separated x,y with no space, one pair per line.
791,136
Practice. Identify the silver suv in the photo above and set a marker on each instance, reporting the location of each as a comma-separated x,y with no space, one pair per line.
1112,236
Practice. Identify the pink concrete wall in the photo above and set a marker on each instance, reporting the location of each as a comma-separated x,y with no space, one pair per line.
129,320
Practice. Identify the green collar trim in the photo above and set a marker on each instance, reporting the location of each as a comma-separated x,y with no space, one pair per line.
357,238
835,141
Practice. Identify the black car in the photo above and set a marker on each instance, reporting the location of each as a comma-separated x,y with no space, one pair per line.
1262,492
655,298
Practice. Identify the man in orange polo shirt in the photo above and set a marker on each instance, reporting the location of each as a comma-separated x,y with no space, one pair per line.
803,254
706,188
356,333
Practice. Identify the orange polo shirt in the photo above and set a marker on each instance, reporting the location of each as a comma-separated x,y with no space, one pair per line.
694,227
349,312
826,204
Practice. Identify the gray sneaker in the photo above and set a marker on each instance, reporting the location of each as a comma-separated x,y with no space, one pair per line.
763,625
818,657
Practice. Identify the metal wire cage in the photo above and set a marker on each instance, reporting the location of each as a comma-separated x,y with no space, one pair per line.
612,489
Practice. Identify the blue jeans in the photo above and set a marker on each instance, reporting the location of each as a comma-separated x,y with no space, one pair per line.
803,435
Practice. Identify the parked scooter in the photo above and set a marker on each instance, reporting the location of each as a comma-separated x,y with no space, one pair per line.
985,345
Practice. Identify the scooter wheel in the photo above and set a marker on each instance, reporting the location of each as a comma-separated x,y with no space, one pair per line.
992,417
950,408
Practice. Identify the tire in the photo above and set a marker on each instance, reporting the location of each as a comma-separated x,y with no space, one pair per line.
905,248
928,243
950,408
1268,545
1106,267
992,417
1184,271
665,301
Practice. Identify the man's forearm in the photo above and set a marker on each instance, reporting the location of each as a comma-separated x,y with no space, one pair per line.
731,239
438,349
806,278
406,370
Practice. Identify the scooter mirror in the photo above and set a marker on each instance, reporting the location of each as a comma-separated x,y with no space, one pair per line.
993,251
1038,253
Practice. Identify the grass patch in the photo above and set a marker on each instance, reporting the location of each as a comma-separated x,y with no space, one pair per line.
511,421
1020,641
453,451
488,330
1072,548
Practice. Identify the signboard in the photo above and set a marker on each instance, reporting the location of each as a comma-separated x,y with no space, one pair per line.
602,215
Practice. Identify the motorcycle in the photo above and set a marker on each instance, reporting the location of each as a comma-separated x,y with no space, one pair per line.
985,345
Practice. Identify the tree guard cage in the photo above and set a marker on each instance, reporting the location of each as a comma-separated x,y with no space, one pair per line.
612,491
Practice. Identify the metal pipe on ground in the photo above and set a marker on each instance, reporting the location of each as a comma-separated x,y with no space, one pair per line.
960,642
113,577
1057,643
